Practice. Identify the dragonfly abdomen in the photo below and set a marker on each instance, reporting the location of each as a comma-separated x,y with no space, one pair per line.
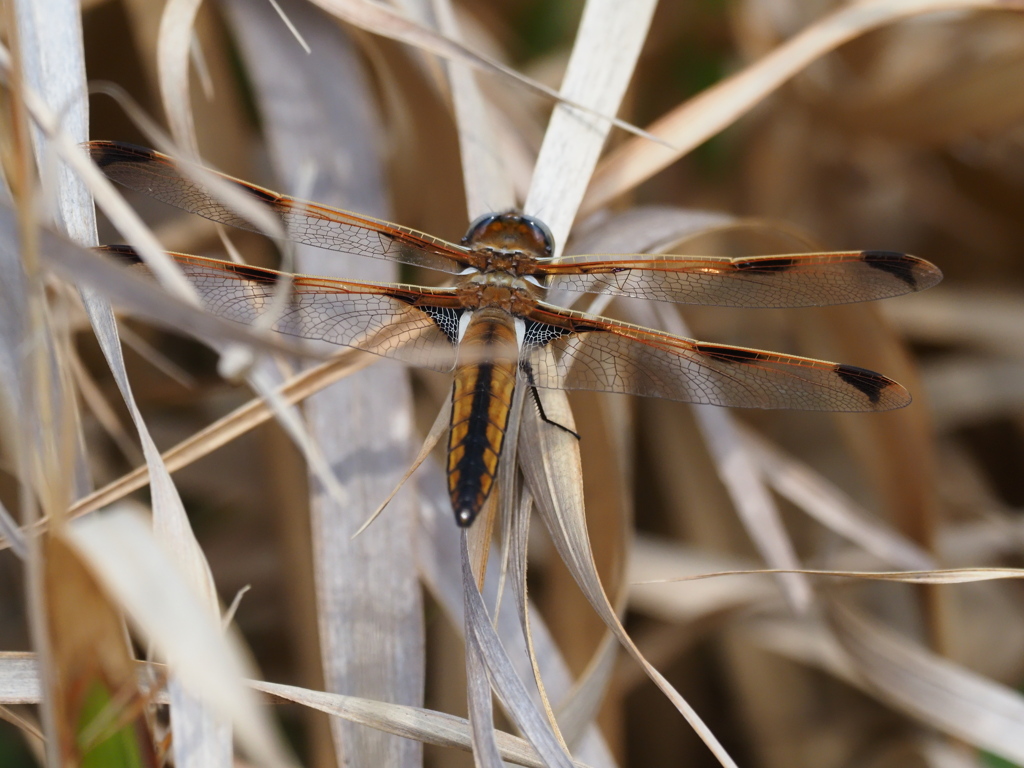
481,400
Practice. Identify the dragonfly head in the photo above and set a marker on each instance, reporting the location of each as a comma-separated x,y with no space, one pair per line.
510,232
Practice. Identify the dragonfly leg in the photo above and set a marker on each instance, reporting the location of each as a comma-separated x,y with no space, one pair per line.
528,370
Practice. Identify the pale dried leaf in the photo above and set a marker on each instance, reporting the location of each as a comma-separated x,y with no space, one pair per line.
506,682
827,504
167,610
700,118
423,725
487,182
608,43
319,112
934,690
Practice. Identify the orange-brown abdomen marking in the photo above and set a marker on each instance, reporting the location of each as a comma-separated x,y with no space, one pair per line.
485,381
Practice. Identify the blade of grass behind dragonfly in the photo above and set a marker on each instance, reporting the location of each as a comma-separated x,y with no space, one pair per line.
100,718
364,424
889,667
606,50
165,605
389,22
487,182
64,92
737,469
698,119
50,41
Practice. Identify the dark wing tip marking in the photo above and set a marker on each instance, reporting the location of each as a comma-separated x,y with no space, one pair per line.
729,354
899,265
870,383
770,264
123,253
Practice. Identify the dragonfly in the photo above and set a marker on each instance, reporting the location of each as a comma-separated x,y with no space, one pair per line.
493,329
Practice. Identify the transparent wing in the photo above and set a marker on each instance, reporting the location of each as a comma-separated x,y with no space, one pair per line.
160,177
570,350
415,325
794,280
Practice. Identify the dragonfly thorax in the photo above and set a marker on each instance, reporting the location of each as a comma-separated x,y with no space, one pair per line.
500,290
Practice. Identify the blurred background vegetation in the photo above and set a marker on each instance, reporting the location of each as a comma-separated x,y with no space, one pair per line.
910,138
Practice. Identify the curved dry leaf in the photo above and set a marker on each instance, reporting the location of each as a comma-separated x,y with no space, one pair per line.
939,576
388,22
700,118
606,50
174,43
438,547
506,683
563,515
486,180
827,504
163,605
934,690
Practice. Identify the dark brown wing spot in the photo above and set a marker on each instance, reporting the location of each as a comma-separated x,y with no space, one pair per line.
123,253
777,264
263,195
868,382
255,274
106,153
898,265
728,354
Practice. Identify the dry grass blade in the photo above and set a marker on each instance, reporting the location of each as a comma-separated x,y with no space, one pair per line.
66,147
655,560
936,691
141,297
833,508
388,22
225,430
19,678
567,526
943,576
607,46
174,44
127,560
700,118
12,533
438,546
427,726
480,702
437,431
487,182
363,425
503,677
